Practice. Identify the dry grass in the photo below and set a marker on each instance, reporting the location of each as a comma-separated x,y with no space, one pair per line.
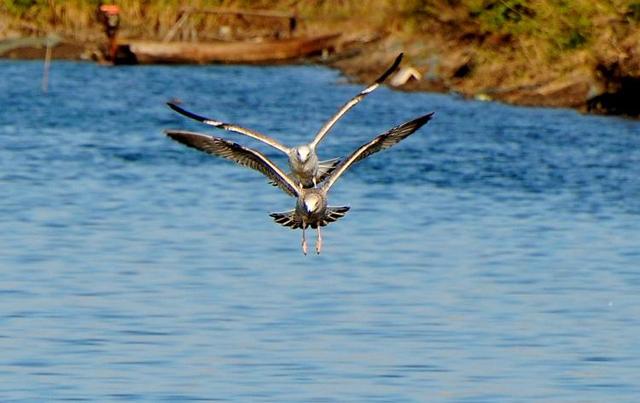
563,23
512,41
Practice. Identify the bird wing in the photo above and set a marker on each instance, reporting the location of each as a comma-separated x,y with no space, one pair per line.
353,101
383,141
230,127
235,152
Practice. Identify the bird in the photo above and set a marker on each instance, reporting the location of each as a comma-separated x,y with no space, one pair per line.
311,210
305,166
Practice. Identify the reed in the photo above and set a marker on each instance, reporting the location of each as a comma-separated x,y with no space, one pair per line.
540,29
565,23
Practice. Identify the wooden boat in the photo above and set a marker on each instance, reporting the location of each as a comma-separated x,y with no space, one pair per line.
266,51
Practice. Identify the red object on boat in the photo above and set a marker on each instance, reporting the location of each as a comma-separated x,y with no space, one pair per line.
110,9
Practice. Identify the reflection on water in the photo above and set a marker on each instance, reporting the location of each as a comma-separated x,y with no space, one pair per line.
492,256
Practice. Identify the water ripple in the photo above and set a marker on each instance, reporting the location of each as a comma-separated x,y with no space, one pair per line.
489,257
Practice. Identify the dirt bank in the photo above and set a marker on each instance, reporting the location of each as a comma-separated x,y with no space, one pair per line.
457,57
579,54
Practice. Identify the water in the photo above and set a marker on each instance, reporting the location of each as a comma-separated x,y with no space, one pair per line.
492,256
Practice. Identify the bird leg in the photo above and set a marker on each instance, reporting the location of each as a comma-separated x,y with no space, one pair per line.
304,242
319,241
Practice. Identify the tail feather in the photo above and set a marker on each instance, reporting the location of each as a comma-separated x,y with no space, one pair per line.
333,214
287,219
326,168
291,220
327,164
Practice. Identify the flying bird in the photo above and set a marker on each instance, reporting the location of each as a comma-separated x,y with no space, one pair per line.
305,166
311,208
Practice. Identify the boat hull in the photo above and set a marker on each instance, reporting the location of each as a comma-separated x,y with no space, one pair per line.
268,51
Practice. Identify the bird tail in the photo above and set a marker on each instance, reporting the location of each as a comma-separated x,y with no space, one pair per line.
332,214
287,219
326,168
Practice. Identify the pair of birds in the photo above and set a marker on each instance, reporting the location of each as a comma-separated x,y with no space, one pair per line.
310,179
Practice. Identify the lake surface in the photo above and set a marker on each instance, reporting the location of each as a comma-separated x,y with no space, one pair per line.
492,256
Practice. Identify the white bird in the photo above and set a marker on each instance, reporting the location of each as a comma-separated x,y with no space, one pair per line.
311,208
305,166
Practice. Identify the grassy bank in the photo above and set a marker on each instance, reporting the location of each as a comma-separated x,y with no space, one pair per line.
551,26
543,52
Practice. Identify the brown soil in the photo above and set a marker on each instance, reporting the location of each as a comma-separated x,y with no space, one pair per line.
451,53
603,79
63,51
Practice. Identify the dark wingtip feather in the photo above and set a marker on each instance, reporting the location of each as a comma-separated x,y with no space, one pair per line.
191,139
422,120
185,112
413,125
409,127
177,135
174,134
391,69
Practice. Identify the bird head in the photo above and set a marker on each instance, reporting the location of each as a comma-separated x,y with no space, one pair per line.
312,203
303,153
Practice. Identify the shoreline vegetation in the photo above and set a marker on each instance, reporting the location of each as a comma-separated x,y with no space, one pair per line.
581,54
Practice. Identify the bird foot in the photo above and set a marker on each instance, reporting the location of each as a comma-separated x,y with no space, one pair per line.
319,241
305,249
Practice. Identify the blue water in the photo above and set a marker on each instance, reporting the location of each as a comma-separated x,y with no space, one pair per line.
492,256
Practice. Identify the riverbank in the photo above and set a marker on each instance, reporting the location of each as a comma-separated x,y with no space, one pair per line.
590,64
584,56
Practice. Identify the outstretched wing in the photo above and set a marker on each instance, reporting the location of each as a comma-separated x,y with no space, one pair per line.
235,152
383,141
353,101
230,127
